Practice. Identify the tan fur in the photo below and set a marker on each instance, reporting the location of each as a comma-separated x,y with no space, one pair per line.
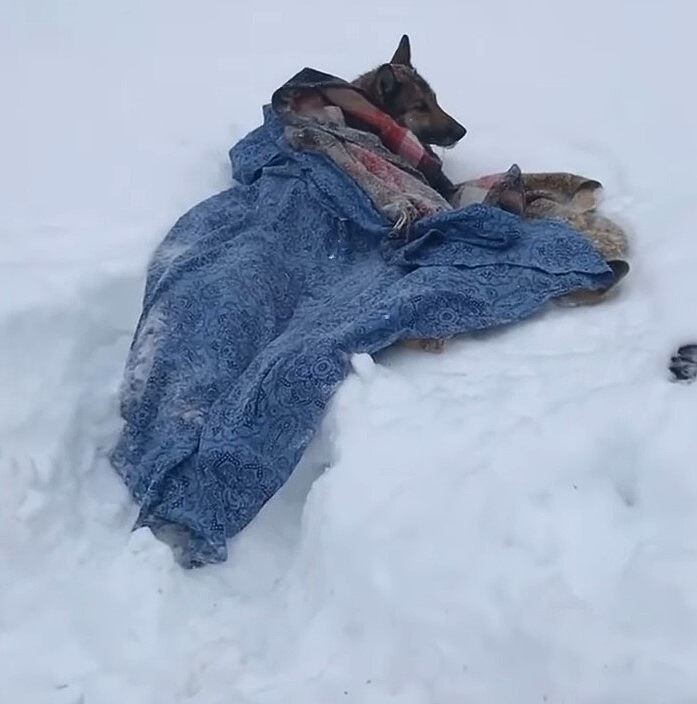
607,237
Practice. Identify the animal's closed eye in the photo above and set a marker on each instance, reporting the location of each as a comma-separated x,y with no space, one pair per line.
421,107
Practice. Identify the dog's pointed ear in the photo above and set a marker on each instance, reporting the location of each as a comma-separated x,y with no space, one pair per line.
387,81
403,54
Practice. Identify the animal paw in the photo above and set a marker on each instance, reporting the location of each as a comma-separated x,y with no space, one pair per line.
683,364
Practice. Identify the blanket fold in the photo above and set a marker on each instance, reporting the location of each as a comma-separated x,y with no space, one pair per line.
258,296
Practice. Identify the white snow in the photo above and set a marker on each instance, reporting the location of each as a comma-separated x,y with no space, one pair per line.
512,521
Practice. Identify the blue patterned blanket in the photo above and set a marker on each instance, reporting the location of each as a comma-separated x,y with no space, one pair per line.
257,298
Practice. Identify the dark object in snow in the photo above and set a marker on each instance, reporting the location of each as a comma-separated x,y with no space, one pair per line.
683,364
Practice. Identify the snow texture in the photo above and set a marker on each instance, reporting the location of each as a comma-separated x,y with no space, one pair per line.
511,521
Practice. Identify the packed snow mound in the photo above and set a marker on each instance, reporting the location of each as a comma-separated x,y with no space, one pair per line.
510,521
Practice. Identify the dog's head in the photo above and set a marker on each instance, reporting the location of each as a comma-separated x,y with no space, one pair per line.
409,100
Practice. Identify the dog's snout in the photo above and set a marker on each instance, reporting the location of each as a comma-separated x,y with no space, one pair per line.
451,135
459,132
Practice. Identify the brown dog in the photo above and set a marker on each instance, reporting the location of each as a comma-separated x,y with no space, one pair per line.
399,90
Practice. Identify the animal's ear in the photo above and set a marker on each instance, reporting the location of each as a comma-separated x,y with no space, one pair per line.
387,81
403,54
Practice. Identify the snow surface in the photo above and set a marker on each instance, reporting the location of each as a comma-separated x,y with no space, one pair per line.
511,521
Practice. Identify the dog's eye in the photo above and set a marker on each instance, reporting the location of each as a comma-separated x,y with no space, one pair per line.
421,107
